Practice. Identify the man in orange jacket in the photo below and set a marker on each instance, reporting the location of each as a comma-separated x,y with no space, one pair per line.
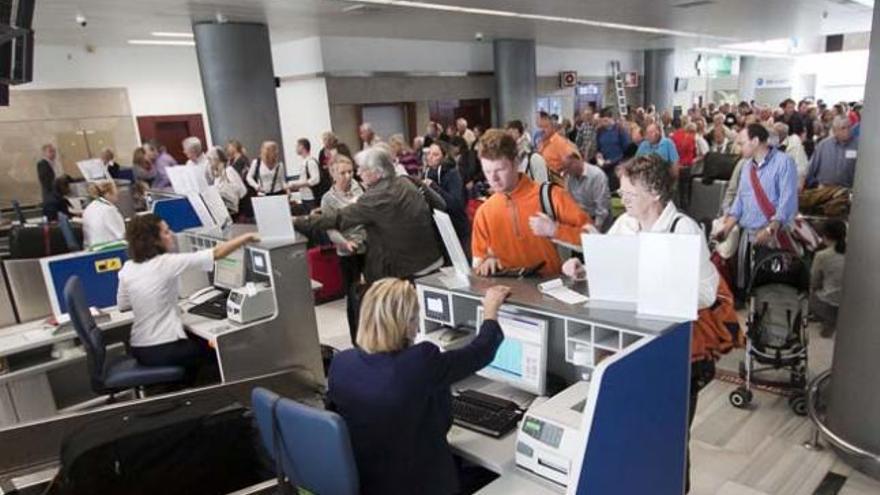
510,229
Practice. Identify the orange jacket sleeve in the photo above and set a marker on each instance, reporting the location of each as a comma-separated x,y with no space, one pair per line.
480,233
570,218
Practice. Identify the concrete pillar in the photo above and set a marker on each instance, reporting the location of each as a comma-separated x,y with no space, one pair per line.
748,77
235,62
516,81
854,406
660,78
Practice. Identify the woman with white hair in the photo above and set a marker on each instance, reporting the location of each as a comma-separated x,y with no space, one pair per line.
102,221
192,148
344,192
394,395
226,179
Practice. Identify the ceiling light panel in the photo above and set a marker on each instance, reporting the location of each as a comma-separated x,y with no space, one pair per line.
544,18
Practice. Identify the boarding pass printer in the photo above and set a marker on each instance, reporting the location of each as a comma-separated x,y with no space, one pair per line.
549,436
251,302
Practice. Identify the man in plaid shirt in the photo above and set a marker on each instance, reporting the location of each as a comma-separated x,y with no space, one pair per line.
586,135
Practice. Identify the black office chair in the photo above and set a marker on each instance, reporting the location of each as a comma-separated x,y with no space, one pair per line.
67,232
119,374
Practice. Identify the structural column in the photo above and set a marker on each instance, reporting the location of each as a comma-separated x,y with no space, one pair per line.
516,81
854,408
235,62
748,77
660,78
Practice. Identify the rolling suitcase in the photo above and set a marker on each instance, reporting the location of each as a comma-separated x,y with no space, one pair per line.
37,241
324,267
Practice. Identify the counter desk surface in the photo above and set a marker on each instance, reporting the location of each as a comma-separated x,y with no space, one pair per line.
524,292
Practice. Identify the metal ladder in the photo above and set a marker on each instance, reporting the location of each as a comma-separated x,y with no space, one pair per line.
619,88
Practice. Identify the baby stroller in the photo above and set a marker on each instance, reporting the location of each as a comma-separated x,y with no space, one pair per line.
777,296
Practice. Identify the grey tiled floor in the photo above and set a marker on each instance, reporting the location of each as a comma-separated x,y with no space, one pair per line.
734,452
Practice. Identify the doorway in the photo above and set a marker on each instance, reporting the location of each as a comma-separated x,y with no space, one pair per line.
476,112
588,95
170,131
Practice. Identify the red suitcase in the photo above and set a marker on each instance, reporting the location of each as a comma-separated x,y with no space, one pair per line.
324,267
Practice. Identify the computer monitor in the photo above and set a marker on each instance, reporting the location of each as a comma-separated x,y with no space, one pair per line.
436,305
178,213
229,271
98,272
521,360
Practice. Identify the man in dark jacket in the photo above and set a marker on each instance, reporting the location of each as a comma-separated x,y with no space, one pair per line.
444,177
46,171
396,213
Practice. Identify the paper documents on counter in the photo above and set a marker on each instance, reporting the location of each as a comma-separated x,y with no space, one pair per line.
557,290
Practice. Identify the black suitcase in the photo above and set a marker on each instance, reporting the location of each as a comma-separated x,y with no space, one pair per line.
185,449
37,241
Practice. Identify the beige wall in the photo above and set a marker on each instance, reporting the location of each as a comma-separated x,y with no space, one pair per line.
36,117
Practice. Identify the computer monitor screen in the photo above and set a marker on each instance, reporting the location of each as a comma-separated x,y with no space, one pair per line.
229,271
521,360
97,271
437,306
178,213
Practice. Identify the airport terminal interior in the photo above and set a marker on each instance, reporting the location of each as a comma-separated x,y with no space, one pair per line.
340,247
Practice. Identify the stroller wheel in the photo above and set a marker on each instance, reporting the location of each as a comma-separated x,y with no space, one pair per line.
740,398
798,404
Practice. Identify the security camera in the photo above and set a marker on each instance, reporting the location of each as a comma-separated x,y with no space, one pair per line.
81,20
478,36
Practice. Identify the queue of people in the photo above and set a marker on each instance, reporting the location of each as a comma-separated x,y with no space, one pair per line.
529,193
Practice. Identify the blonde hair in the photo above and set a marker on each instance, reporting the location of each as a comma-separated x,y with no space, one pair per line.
267,149
389,312
340,159
398,141
101,188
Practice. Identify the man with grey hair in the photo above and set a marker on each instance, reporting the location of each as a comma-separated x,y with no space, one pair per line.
834,161
368,135
396,213
47,170
461,126
793,146
192,148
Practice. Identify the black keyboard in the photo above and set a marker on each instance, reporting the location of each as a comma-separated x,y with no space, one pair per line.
214,308
484,414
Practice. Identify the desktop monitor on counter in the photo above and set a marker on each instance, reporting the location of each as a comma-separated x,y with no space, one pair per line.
521,360
98,272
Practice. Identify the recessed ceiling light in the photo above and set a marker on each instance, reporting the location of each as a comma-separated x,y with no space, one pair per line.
163,42
547,18
167,34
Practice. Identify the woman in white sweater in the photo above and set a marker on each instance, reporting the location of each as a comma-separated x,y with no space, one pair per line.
102,220
225,179
267,174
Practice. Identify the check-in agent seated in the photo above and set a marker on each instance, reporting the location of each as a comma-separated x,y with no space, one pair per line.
148,285
395,397
510,229
102,220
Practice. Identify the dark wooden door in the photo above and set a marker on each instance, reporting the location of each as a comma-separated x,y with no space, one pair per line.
170,131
